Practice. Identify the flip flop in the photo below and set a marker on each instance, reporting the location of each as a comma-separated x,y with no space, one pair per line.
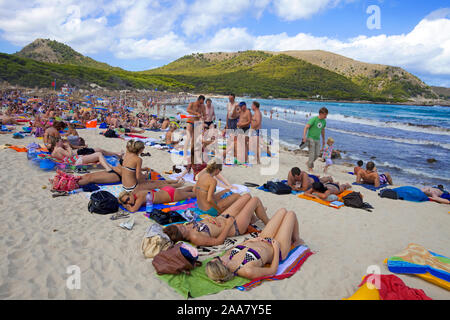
250,184
60,194
120,215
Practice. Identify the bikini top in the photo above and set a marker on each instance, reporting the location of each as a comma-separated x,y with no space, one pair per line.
201,227
250,255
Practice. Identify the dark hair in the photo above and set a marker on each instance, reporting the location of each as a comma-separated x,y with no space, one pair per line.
256,104
370,165
323,110
233,95
318,186
208,100
360,163
173,233
202,97
59,125
296,171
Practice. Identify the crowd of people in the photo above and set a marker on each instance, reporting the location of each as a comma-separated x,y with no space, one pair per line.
229,216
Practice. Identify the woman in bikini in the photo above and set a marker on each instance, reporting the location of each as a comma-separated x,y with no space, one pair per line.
326,191
209,202
248,260
213,231
132,201
132,177
62,151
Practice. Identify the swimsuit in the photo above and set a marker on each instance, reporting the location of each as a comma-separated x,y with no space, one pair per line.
236,229
73,160
211,211
118,175
314,177
383,179
129,189
171,191
201,227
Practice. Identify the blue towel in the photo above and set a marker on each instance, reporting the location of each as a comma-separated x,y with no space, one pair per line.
370,186
411,194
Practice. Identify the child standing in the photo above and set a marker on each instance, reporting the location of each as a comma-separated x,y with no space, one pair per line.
327,152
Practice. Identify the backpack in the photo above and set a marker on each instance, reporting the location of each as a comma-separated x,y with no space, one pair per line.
64,182
388,193
355,200
278,187
110,134
164,218
103,202
174,261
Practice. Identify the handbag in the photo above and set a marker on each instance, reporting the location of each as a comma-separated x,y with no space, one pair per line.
154,245
172,261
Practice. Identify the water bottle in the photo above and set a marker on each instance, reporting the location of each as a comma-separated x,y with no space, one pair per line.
76,191
149,203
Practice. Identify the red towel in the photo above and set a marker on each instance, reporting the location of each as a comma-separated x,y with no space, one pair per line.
393,288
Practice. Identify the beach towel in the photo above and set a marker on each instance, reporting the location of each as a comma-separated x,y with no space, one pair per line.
390,287
189,177
419,261
198,284
286,268
411,194
332,204
18,148
370,186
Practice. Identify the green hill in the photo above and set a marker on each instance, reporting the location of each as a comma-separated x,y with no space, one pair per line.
32,73
51,51
289,74
260,74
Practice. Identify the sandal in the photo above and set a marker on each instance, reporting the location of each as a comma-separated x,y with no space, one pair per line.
120,215
60,194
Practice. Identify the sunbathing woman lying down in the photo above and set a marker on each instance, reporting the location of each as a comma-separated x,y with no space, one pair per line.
213,231
327,191
167,194
248,260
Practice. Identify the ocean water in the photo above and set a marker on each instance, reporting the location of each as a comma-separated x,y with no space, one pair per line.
401,138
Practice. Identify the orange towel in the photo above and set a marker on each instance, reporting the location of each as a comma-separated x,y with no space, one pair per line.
18,149
327,203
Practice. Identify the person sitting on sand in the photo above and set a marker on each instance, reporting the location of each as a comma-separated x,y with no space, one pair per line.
326,191
213,231
62,151
371,176
169,136
53,131
249,259
133,201
208,201
132,177
301,181
6,120
165,124
437,194
111,176
358,167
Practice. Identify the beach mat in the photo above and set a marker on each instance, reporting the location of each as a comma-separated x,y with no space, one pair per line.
287,267
421,262
328,203
370,186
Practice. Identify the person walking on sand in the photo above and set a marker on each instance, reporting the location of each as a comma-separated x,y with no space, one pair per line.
255,127
311,135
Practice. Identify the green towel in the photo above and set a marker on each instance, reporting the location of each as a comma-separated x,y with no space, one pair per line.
198,284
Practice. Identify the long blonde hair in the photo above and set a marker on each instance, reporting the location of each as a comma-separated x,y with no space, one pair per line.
134,146
123,194
216,271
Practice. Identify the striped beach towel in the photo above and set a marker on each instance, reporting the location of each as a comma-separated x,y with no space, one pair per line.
286,268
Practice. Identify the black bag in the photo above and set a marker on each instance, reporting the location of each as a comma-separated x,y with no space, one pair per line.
355,200
110,134
278,187
103,202
388,193
85,151
164,218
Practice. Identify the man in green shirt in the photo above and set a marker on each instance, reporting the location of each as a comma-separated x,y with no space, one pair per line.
315,128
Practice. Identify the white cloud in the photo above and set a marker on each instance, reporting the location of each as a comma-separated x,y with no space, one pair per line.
166,47
301,9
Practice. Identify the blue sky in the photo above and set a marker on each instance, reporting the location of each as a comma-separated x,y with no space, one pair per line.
143,34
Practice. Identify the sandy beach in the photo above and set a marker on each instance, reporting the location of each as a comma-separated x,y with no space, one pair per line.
41,236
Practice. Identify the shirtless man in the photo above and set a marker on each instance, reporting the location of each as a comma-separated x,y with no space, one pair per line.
165,124
245,119
255,126
169,136
53,131
232,120
437,194
195,109
300,181
371,176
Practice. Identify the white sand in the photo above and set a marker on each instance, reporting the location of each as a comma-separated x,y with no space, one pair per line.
41,236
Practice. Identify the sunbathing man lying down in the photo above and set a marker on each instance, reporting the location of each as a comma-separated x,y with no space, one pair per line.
248,259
